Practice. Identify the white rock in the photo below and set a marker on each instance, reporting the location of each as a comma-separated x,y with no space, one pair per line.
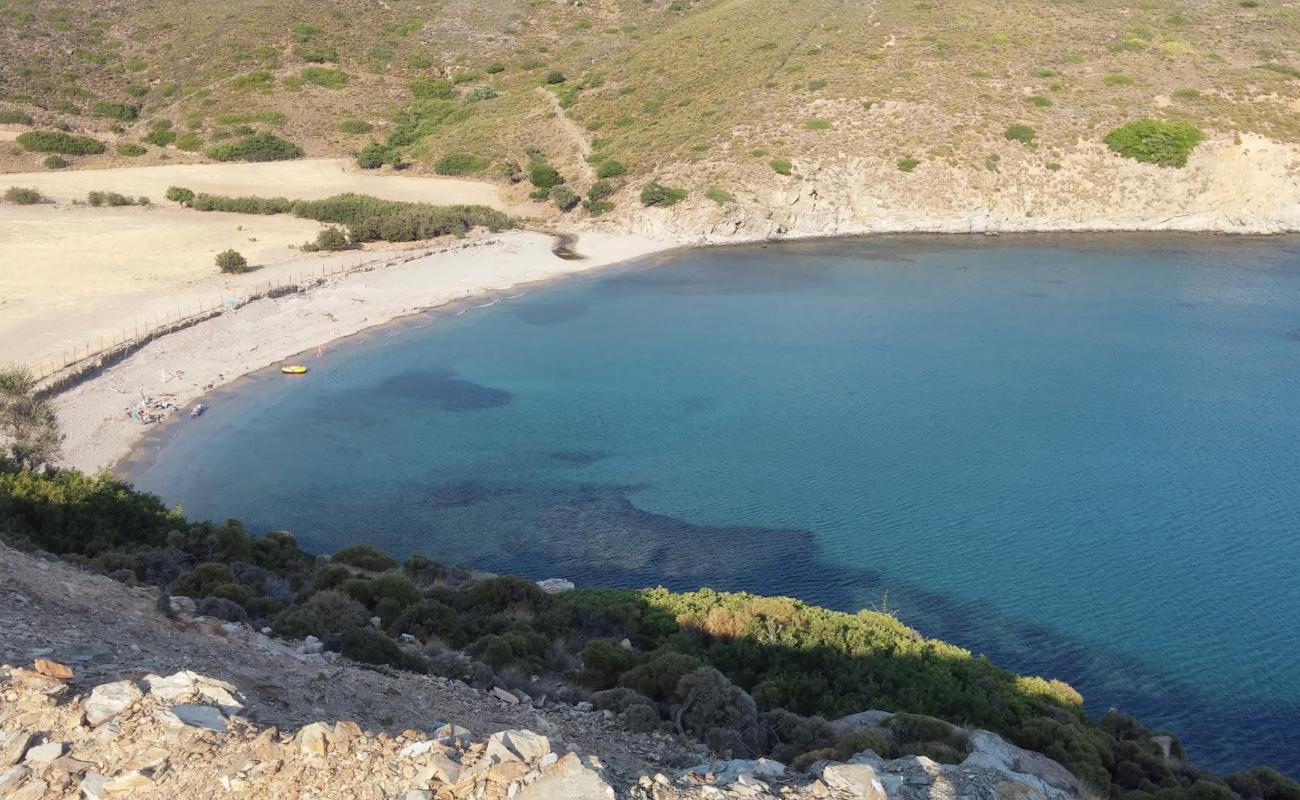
439,768
45,753
92,786
415,749
556,585
11,778
568,779
108,700
187,685
503,695
525,745
858,780
197,716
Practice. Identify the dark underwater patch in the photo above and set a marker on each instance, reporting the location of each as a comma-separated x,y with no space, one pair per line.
442,389
578,458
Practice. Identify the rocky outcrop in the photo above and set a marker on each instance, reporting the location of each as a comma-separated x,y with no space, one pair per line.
1248,184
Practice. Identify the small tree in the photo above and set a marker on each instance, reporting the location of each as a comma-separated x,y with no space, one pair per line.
28,425
231,261
179,194
331,239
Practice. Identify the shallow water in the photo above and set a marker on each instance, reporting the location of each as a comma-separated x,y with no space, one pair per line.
1075,454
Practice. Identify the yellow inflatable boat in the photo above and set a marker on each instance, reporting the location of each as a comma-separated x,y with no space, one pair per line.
294,369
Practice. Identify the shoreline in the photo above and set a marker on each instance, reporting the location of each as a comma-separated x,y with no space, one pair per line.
99,435
185,366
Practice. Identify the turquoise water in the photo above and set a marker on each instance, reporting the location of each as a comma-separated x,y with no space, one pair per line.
1078,455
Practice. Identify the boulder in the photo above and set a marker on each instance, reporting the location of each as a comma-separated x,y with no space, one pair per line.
556,585
53,669
108,700
504,696
128,783
13,747
856,780
567,779
92,786
519,744
725,772
10,779
312,739
438,769
187,685
991,751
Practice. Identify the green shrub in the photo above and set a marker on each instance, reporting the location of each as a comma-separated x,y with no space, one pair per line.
429,619
230,261
918,728
1019,133
555,77
609,168
298,623
364,556
260,146
478,93
817,124
190,141
597,207
719,196
22,196
494,68
331,240
131,149
317,55
658,676
369,646
1039,100
600,190
432,89
337,612
460,164
655,193
11,117
60,142
355,126
179,194
603,660
908,164
160,138
240,205
938,751
544,176
55,162
1154,141
371,219
375,155
118,111
325,77
781,166
564,198
851,744
100,198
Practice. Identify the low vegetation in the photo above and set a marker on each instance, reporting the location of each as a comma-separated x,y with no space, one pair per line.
102,198
59,142
747,674
23,196
460,164
231,262
366,218
260,146
657,194
1154,141
330,240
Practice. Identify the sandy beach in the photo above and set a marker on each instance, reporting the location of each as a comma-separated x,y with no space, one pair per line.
185,365
74,277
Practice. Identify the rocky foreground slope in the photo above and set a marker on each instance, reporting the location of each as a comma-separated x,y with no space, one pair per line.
115,699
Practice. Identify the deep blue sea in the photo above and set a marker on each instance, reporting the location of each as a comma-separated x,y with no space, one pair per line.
1077,455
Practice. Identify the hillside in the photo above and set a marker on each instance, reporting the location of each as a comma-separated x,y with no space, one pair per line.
751,99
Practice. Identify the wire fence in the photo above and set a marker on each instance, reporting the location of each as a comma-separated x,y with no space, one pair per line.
95,355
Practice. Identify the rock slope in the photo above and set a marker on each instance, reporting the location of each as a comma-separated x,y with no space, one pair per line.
118,700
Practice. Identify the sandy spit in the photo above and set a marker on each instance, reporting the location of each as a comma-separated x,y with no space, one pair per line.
187,364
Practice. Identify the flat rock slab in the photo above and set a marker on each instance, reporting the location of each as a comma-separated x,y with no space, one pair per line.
108,700
207,717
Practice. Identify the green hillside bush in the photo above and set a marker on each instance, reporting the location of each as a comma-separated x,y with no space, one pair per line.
1154,141
655,193
59,142
260,146
23,196
460,164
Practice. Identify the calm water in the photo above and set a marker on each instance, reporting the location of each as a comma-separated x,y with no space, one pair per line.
1077,455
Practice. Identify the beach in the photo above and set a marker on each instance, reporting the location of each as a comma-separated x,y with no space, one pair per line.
183,366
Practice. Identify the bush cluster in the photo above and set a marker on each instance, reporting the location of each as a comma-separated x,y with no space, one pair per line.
460,164
260,146
101,198
330,240
238,205
657,194
749,675
59,142
1155,142
12,117
23,196
231,261
119,111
